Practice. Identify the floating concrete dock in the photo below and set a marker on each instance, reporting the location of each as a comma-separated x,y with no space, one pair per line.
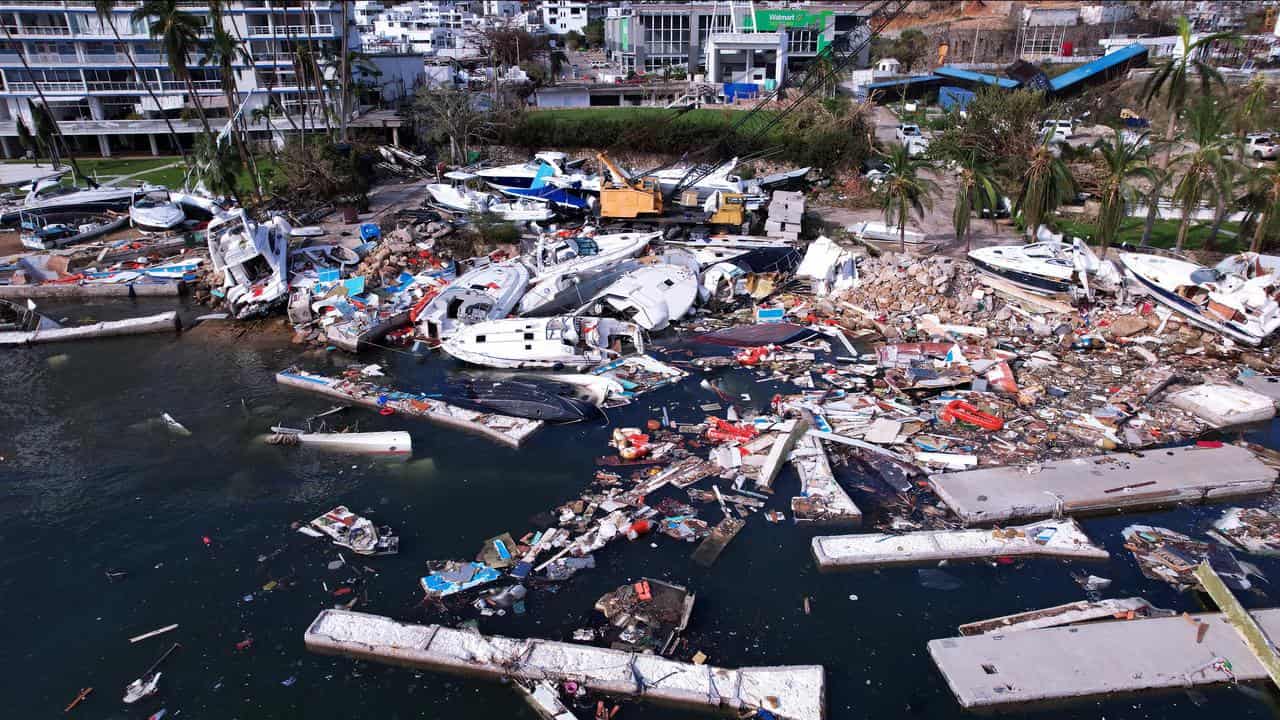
1127,481
794,692
511,431
1051,538
1000,670
1059,615
163,322
100,290
821,501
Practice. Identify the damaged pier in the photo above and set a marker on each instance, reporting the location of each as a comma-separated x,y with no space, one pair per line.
504,429
791,692
1103,483
1053,664
1053,538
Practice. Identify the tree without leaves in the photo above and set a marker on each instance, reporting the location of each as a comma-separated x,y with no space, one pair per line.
1124,162
454,115
510,46
905,190
179,33
104,9
1046,184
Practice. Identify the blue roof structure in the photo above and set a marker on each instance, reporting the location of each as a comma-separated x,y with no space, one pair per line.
903,82
1099,66
955,73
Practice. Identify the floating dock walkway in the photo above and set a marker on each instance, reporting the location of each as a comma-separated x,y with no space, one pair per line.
1051,538
1001,670
163,322
511,431
789,692
1121,481
94,290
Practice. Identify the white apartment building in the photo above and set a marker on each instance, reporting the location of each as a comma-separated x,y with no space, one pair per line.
563,16
84,71
427,27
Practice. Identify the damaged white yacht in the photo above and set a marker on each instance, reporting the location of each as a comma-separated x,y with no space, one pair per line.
253,260
556,343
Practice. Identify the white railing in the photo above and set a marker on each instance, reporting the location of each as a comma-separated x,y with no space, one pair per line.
10,58
151,58
42,30
283,30
52,58
48,86
106,58
168,87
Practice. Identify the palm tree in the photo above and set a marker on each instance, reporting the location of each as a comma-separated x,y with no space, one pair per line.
1047,183
1171,78
1125,161
104,8
1263,201
27,140
1205,169
179,32
905,190
55,131
217,168
976,191
223,51
45,128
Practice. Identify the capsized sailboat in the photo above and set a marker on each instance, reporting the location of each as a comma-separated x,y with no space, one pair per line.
486,293
1236,297
556,262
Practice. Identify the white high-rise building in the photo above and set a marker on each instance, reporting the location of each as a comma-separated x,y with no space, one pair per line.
84,72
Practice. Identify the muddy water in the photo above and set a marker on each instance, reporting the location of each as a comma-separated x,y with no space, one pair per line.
90,481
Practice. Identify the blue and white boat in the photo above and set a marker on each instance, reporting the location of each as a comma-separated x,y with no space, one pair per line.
547,178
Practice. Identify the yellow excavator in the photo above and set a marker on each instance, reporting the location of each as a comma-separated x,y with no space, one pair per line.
623,197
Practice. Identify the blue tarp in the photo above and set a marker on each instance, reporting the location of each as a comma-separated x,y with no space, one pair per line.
902,82
1101,65
459,577
949,97
955,73
740,90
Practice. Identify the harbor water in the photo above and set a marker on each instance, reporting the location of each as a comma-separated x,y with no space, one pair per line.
92,481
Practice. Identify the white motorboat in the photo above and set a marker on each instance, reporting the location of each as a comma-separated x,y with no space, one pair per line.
197,206
253,260
395,442
46,232
353,532
572,290
651,296
1047,267
541,170
457,197
50,195
1236,297
555,264
486,293
143,687
153,211
721,178
575,342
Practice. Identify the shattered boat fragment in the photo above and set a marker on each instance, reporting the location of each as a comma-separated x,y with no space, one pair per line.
353,532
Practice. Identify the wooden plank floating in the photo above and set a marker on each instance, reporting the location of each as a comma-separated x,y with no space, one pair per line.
1121,481
1003,670
153,633
1253,636
98,290
504,429
821,501
794,692
1051,538
163,322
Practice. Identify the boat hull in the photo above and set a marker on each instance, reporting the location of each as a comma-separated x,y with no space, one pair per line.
1190,310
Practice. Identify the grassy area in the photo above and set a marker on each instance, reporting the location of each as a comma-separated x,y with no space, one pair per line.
155,170
1164,234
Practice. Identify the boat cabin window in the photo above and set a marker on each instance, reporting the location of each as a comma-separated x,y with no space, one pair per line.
480,338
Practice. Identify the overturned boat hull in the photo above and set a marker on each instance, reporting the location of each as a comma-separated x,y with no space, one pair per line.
1162,276
396,442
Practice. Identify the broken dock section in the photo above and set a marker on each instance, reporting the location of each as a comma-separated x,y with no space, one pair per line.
504,429
1122,481
791,692
1052,538
1004,669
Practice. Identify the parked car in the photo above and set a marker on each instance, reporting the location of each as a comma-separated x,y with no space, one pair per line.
1003,209
912,138
1057,130
1260,146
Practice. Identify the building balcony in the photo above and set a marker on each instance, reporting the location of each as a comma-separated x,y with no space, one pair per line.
38,31
287,30
48,87
53,58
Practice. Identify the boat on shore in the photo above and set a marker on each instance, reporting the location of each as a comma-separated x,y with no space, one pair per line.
353,532
1049,267
253,260
1234,298
557,264
394,442
153,211
457,197
55,230
555,343
51,196
487,293
651,296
